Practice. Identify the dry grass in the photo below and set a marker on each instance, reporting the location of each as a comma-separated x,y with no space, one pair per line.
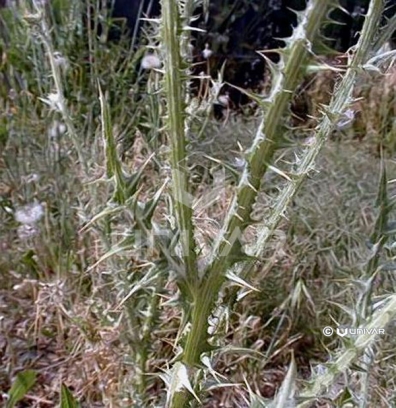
79,336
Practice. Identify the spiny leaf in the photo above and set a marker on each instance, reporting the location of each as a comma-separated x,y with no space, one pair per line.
113,164
251,95
151,205
132,182
240,282
207,363
126,244
385,33
286,392
320,67
178,381
108,212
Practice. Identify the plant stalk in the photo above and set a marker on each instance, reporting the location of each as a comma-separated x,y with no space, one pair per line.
226,248
175,89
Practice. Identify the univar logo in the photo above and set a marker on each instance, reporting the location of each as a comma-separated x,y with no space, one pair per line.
342,331
352,331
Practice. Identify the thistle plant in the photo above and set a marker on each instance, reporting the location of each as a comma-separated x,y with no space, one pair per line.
227,249
203,288
140,282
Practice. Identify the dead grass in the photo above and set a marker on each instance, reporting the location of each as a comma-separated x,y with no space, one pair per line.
81,337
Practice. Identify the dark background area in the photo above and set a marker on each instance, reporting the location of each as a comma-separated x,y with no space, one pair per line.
236,29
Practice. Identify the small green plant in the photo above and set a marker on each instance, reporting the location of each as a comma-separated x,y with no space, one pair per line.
23,383
67,399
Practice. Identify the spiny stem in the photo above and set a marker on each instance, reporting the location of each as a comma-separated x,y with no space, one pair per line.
263,150
175,89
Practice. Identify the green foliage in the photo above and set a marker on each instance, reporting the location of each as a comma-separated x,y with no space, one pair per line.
67,399
23,383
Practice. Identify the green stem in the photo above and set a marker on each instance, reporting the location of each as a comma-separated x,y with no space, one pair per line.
238,218
175,88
